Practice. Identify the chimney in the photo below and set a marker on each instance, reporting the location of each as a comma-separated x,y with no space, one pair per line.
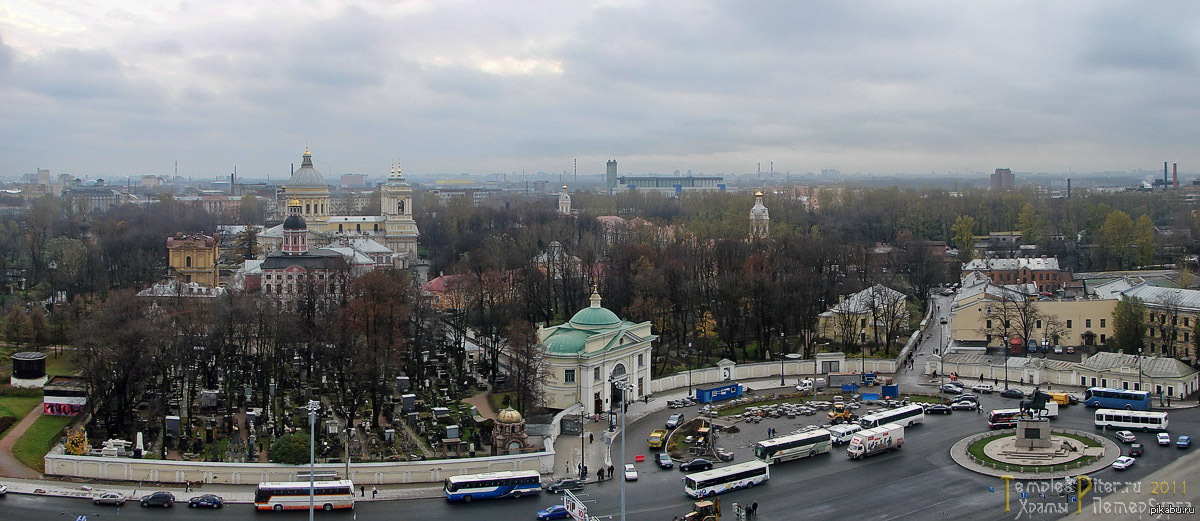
1068,188
1175,175
1165,174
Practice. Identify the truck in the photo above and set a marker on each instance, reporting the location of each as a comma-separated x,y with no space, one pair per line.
839,434
875,440
657,438
840,414
1051,410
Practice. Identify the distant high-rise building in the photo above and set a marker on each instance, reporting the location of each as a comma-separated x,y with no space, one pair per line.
610,178
1003,179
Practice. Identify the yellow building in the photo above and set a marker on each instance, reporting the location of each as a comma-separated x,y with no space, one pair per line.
973,316
865,316
394,227
193,258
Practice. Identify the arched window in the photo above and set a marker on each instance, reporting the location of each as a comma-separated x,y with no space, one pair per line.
358,227
188,261
339,228
400,206
376,226
307,208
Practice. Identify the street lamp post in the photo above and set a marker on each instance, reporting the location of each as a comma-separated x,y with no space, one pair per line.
312,407
688,357
942,362
782,350
862,349
625,386
1139,368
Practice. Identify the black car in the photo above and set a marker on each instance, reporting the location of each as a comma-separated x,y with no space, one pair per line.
159,499
564,484
664,460
1136,450
938,409
206,500
1012,393
696,464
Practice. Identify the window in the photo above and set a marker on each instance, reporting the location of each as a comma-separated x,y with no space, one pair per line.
989,324
1087,323
1102,321
1068,323
569,376
596,374
1039,323
639,360
1083,381
188,261
1102,338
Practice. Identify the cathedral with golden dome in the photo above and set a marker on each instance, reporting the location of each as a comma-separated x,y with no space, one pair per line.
393,229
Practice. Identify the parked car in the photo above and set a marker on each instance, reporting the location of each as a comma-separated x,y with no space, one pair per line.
1164,438
943,321
1058,350
1184,442
983,388
158,499
562,484
952,389
630,472
1012,393
206,500
3,490
1071,350
674,420
664,460
1136,450
1125,436
938,409
1123,463
964,405
967,397
108,498
553,512
696,464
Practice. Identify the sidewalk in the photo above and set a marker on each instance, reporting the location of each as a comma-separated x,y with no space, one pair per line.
10,466
231,493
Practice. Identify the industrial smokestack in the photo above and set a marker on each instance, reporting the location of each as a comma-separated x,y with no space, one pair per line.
1068,188
1175,175
1165,182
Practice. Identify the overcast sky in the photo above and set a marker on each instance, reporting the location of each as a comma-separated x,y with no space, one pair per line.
128,87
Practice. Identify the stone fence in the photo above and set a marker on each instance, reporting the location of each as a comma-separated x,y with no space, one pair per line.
727,371
432,471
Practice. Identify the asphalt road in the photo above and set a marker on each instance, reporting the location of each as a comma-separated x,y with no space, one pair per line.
918,482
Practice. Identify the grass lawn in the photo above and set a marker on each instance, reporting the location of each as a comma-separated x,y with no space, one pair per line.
33,446
17,407
976,449
63,365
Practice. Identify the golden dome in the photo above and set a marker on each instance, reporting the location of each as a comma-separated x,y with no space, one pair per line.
294,202
508,415
758,193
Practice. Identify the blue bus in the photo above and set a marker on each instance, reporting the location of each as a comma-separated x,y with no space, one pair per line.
492,485
1109,398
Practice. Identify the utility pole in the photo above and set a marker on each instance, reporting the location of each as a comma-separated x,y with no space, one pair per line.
313,406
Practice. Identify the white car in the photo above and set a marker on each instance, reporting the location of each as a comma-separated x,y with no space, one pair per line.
1128,437
630,472
109,498
1058,350
3,490
1164,438
1123,463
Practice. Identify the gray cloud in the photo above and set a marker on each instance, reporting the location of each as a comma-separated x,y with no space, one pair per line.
711,86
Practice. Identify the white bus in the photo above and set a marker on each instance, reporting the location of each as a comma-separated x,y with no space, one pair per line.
724,479
1123,419
491,485
793,446
906,416
293,495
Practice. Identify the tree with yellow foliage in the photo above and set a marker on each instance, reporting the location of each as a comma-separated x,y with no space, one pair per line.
77,443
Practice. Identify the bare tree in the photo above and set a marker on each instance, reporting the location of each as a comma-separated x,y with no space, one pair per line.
1168,322
528,365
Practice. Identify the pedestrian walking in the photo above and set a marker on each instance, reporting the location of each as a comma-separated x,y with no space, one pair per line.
187,486
374,492
995,381
591,437
610,472
978,409
754,508
599,475
362,490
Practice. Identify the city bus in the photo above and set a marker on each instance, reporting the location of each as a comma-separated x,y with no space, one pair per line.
1109,398
793,446
906,416
492,485
293,495
724,479
1122,419
1004,418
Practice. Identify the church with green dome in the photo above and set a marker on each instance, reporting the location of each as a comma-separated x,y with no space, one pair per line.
585,354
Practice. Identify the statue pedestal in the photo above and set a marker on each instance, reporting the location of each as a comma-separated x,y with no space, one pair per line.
1033,434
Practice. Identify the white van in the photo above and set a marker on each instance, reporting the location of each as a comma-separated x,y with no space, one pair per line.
983,388
843,433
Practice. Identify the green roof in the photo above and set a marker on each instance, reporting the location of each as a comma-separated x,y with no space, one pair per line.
595,317
566,341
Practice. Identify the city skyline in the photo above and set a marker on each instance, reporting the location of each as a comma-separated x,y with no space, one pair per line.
112,88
